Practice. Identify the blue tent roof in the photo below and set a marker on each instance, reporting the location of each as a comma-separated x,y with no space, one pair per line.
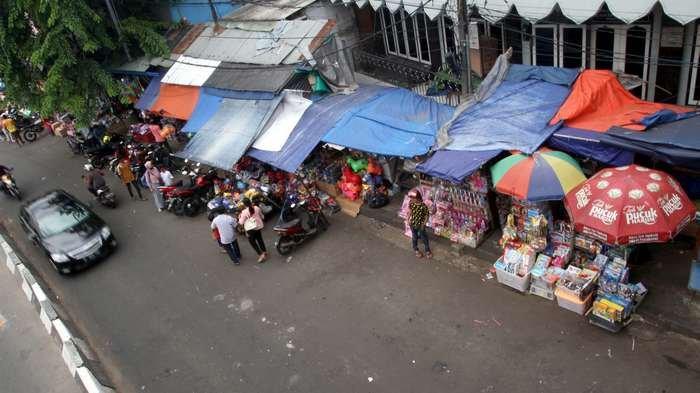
676,143
149,95
225,137
396,122
588,144
318,119
209,102
514,117
455,165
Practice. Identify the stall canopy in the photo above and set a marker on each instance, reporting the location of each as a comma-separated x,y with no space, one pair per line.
176,101
676,143
282,122
318,119
396,122
149,95
225,137
516,115
597,102
209,102
455,165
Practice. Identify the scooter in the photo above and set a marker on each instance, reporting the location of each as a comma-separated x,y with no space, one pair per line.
295,232
106,197
9,186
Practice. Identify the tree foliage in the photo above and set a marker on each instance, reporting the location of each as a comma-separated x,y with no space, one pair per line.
54,54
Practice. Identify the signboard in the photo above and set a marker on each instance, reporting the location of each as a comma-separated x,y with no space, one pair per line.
672,37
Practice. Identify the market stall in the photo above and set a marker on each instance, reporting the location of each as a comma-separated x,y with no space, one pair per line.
458,211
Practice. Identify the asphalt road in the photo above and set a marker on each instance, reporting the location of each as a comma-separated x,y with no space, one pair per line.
349,313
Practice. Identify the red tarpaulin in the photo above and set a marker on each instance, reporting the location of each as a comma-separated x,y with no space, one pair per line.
598,101
629,205
176,101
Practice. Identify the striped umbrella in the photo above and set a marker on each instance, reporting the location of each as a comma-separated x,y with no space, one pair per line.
545,175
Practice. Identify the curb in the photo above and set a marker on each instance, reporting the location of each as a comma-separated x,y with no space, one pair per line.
55,327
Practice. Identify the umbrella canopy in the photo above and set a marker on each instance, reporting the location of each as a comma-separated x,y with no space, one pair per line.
628,205
545,175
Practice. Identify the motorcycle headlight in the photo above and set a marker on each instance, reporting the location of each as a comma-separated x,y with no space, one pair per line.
105,232
59,257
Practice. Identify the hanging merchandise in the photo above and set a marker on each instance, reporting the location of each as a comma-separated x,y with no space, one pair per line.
459,212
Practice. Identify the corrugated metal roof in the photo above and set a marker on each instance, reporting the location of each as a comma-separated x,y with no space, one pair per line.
190,71
271,43
250,77
272,10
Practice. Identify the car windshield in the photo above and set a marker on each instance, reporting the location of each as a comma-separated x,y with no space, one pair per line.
60,214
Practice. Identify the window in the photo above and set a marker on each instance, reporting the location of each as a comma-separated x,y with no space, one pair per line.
622,48
694,96
545,44
406,36
448,32
572,46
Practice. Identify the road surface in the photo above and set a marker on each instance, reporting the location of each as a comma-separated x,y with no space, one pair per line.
349,312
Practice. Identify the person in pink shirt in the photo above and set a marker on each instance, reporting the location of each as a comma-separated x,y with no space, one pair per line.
251,218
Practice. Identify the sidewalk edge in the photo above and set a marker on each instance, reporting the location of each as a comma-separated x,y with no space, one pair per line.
54,326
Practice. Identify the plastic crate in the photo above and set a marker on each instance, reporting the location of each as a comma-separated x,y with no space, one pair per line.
514,281
572,302
613,327
547,293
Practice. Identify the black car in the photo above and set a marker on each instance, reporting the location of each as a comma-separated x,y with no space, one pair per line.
71,235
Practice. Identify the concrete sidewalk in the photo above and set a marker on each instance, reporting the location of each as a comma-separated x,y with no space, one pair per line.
665,270
29,360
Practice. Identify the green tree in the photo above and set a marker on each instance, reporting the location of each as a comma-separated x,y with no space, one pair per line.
54,53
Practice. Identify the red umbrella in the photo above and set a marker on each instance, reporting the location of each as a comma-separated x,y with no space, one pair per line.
628,205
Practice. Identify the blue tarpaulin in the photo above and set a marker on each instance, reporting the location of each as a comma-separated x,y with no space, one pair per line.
587,144
396,122
209,102
514,117
676,143
556,75
318,119
226,136
455,165
149,95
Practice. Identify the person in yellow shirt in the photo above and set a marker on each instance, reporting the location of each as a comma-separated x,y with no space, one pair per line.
9,125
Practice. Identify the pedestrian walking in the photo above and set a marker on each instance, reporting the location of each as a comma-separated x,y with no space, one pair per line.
251,219
128,178
153,181
417,219
225,226
9,124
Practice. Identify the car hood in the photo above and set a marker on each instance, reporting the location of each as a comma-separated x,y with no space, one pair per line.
76,237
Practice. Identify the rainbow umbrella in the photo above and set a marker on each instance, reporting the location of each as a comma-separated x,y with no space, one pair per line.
546,175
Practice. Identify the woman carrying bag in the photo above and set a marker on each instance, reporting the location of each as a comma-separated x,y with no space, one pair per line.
251,219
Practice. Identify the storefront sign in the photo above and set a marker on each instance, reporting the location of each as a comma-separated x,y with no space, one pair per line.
603,212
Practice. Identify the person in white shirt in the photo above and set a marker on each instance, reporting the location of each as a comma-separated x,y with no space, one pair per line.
166,176
225,225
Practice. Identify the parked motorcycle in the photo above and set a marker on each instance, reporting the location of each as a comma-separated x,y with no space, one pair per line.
310,221
9,186
106,197
189,200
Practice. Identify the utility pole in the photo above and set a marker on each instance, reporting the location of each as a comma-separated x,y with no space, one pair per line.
117,26
463,34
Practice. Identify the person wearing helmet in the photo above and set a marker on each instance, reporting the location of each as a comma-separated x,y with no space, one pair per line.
417,219
94,179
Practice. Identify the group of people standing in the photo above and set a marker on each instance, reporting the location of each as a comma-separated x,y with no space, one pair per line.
250,221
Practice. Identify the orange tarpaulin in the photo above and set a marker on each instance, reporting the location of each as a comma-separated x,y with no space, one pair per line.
598,101
176,101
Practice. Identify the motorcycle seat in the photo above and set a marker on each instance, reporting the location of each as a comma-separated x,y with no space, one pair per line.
288,224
